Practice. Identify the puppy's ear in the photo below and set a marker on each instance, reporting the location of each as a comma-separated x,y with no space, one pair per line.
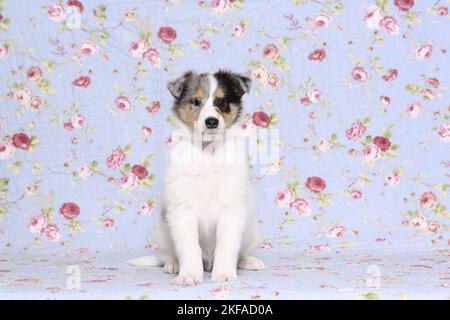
244,82
177,86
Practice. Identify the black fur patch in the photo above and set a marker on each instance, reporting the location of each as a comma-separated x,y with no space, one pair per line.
230,85
234,86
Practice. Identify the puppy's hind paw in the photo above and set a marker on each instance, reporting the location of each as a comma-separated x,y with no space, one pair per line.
171,267
251,263
187,280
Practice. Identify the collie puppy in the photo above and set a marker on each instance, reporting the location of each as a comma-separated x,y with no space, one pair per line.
207,222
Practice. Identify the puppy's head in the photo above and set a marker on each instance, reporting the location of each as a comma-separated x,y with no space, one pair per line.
209,103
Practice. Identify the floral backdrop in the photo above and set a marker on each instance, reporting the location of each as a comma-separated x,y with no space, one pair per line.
356,89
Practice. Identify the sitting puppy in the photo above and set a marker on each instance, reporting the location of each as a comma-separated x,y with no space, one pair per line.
208,220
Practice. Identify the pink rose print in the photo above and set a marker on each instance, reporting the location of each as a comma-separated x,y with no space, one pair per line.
137,48
116,158
259,73
205,45
314,96
322,20
419,223
69,210
35,103
270,52
21,141
442,11
77,5
433,226
37,223
371,153
315,184
123,103
56,12
167,34
23,96
4,51
284,198
140,171
82,82
434,82
373,17
77,121
336,231
128,181
146,131
383,143
424,52
219,293
404,5
51,233
444,132
272,81
88,48
83,172
359,74
305,101
34,74
391,75
356,194
301,206
153,57
385,100
240,30
107,222
320,247
413,110
154,107
7,150
427,200
219,6
356,131
261,119
390,25
393,179
317,55
427,94
146,208
324,145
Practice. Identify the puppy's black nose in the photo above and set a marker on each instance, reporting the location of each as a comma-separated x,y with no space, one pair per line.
212,123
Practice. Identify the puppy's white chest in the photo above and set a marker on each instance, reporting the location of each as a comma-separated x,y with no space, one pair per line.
214,188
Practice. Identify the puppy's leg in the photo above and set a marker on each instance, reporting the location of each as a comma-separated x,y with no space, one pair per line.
184,230
230,227
166,250
250,240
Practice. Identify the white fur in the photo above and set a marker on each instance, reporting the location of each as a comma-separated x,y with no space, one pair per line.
208,220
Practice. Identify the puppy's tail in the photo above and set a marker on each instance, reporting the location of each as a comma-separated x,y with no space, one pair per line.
147,261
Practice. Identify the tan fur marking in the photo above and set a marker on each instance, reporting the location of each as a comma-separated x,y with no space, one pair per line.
200,94
187,114
219,93
231,116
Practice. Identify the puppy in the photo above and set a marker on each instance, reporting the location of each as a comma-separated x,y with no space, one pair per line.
208,221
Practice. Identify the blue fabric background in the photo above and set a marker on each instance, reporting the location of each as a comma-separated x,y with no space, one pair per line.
360,213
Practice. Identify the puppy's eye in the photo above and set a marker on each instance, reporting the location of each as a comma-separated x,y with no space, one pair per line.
196,102
220,102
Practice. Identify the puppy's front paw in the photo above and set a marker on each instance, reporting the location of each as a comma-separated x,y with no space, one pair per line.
223,276
188,279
